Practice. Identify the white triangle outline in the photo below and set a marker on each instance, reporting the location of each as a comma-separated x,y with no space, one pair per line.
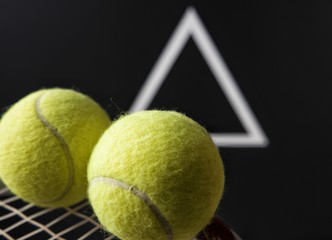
191,25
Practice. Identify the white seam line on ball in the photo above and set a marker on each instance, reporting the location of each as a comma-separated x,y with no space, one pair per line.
63,144
140,194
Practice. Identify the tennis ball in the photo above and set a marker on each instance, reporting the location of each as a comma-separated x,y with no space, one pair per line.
46,140
155,175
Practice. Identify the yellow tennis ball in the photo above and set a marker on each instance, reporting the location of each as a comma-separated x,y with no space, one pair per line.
155,175
46,140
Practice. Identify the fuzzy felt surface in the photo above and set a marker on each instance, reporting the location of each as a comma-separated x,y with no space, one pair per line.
46,140
155,166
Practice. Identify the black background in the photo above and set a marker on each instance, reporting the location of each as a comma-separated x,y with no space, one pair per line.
279,54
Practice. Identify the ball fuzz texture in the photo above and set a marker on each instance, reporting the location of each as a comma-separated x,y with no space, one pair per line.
155,175
46,140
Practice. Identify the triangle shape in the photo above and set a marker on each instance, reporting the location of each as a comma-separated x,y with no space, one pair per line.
192,26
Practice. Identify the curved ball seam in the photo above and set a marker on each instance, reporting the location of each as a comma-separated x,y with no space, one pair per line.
63,145
140,194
